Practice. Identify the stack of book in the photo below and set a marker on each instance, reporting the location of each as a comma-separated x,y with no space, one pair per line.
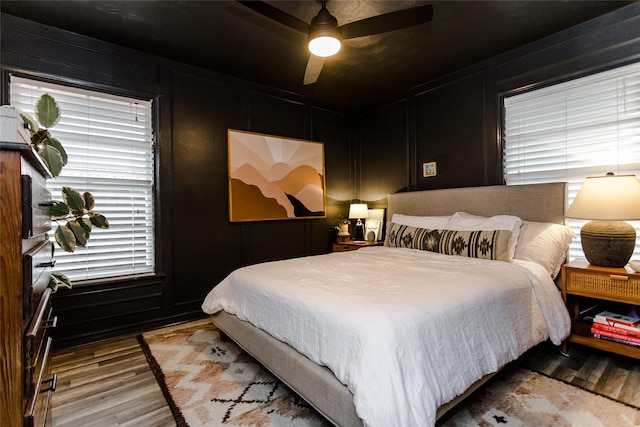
617,327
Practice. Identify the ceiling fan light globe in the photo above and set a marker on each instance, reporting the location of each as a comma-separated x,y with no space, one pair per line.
324,46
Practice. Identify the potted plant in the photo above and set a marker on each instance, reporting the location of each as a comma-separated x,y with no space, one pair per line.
340,228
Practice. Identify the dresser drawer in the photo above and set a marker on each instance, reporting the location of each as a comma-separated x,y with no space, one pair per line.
622,287
38,411
35,374
37,264
36,207
42,323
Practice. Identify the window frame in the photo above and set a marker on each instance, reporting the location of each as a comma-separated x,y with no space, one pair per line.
501,142
154,98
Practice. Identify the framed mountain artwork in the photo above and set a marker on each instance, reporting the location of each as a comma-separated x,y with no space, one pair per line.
275,178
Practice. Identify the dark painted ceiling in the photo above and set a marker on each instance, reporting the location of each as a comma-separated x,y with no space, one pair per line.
227,37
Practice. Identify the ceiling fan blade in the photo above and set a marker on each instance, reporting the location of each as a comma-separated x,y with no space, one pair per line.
312,72
277,15
388,22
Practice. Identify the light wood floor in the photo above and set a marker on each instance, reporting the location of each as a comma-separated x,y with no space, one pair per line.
107,384
111,384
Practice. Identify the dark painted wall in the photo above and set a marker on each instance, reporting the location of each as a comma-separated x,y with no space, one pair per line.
196,245
454,121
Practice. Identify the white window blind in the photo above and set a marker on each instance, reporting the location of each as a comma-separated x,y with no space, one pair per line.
569,131
109,143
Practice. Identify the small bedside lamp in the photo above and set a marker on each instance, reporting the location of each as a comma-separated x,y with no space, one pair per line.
608,201
359,211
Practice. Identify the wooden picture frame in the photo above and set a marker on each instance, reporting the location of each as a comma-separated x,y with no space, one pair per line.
374,225
275,178
429,169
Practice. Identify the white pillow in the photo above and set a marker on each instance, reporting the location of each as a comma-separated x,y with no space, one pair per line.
428,222
463,221
545,244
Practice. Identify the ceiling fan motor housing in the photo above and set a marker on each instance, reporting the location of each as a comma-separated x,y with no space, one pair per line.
324,25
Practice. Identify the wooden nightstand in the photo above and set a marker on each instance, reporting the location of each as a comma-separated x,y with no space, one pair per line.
583,285
352,246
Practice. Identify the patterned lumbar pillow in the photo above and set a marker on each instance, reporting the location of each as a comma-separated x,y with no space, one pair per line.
485,244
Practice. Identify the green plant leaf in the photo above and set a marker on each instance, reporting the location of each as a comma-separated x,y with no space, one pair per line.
89,201
47,111
39,137
85,223
98,220
58,279
63,278
79,233
31,123
53,142
75,201
59,210
53,284
66,239
52,158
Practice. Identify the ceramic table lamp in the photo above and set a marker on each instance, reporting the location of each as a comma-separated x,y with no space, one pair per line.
608,201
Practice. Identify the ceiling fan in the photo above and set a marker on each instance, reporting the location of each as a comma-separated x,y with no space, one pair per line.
325,35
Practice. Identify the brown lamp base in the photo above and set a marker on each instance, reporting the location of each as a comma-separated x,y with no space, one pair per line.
608,243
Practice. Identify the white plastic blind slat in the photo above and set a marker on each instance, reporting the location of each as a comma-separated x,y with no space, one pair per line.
567,132
108,140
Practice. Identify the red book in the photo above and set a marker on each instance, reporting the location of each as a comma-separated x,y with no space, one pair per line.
599,333
616,330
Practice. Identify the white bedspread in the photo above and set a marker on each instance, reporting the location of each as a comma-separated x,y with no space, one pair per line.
406,330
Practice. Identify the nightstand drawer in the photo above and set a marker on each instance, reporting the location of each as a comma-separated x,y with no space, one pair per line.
610,285
340,247
352,246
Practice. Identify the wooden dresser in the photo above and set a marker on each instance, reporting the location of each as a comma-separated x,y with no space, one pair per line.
26,260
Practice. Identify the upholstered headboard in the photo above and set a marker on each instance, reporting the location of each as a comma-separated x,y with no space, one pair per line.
531,202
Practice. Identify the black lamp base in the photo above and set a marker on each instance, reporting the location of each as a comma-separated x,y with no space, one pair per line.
359,236
608,243
359,231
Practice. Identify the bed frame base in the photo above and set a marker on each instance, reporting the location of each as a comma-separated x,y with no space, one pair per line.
314,383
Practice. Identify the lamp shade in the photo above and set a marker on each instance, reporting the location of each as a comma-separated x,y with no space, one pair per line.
358,211
607,198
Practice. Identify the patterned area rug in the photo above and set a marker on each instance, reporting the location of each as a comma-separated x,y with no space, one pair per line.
212,383
519,397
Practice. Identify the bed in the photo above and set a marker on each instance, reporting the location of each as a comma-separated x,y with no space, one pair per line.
395,335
